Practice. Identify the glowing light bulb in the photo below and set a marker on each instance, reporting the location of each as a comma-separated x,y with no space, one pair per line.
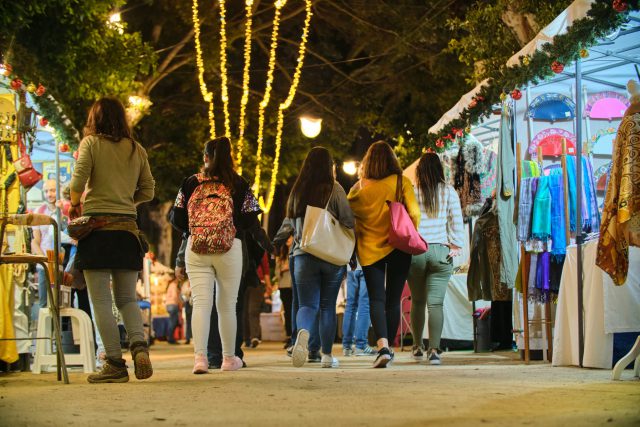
350,167
310,126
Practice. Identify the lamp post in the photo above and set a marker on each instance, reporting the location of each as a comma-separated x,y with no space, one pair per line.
310,126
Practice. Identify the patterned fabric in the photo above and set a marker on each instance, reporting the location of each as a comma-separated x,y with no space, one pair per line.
525,209
211,217
488,177
250,203
591,199
621,216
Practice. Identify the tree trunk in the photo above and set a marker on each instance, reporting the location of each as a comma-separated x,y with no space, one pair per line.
159,231
523,25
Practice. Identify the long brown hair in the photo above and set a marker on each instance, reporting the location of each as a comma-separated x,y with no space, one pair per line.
220,163
107,118
379,162
430,179
314,183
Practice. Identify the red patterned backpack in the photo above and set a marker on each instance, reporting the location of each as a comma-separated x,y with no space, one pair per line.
210,211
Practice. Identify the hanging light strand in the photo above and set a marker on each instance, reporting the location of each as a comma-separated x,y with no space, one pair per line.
206,95
224,91
245,83
279,4
285,105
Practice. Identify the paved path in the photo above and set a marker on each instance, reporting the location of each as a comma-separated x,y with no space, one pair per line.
468,389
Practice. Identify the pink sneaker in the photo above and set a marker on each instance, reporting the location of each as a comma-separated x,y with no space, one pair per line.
232,363
201,365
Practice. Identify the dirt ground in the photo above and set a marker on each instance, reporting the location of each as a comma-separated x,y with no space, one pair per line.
467,389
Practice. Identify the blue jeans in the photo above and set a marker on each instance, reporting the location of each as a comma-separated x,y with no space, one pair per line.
174,312
355,325
314,333
317,285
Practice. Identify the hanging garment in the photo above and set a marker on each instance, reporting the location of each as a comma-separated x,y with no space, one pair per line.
593,212
621,215
8,349
484,259
469,165
534,293
505,201
525,209
541,221
530,169
488,176
532,244
558,230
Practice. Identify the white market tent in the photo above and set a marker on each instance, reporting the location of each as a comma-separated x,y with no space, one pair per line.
602,74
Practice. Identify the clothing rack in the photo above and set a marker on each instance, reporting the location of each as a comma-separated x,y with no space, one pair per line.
548,321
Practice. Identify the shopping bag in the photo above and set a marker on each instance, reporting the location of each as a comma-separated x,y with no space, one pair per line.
402,233
324,237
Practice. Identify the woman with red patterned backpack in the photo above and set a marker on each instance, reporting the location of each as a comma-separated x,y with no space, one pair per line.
215,208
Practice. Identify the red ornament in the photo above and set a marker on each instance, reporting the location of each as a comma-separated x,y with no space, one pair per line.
40,90
43,121
429,150
619,6
480,98
75,154
457,132
557,67
64,148
473,103
440,143
16,84
516,94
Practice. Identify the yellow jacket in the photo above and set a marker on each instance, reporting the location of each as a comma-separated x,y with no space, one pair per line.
369,205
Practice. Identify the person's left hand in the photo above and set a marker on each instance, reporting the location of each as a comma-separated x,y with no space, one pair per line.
75,211
454,251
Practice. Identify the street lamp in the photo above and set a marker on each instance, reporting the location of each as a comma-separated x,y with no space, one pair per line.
310,126
115,22
350,167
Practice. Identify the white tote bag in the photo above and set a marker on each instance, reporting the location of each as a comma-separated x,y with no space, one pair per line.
324,237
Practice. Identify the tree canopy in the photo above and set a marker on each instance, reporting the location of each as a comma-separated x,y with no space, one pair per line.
372,68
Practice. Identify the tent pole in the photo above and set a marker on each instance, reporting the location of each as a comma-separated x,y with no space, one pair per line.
529,119
525,269
579,184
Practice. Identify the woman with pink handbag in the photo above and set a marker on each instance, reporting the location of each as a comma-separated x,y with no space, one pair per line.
382,263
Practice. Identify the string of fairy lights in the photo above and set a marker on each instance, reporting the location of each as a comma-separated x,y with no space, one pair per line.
285,105
264,103
279,4
224,91
206,95
245,83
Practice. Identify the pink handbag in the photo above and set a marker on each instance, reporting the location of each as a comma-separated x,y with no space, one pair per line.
402,233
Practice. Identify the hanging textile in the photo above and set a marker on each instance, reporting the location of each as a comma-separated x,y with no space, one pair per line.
591,199
530,169
541,221
488,176
505,201
558,230
469,166
8,349
621,215
484,259
525,208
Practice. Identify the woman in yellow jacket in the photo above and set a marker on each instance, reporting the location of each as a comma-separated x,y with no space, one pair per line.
381,263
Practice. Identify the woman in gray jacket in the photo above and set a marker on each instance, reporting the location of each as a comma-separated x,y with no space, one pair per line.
113,172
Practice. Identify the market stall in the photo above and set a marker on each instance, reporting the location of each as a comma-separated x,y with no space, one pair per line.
578,106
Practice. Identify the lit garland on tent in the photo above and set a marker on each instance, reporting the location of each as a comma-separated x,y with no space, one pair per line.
603,17
206,95
223,68
279,4
245,84
285,105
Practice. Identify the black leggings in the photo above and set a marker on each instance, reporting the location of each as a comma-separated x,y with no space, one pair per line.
384,306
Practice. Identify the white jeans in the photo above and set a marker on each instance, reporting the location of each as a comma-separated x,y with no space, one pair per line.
206,271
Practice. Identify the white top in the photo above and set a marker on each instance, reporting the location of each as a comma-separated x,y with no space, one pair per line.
446,228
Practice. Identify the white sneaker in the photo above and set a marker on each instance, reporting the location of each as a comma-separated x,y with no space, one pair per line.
366,351
347,351
328,361
434,357
300,350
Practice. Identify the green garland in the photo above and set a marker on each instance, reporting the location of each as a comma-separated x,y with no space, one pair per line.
601,20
